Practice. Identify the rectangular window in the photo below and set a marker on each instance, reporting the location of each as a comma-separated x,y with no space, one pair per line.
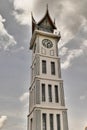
44,66
51,122
53,68
43,92
58,121
56,94
44,121
50,93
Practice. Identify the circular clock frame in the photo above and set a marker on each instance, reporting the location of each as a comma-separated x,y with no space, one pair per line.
47,43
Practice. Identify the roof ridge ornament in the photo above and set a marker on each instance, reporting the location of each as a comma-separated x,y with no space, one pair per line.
47,6
47,9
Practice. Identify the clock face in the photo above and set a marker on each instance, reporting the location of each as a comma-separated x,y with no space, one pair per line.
47,43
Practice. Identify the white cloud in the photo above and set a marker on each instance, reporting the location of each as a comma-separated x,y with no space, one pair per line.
24,97
65,64
6,40
25,7
66,36
69,20
23,18
85,43
83,97
2,121
72,54
18,49
77,122
63,51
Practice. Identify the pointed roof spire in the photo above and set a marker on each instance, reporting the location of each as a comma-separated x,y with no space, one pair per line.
47,6
33,23
47,10
33,20
46,19
45,24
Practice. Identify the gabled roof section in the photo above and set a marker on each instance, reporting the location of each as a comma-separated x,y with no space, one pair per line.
45,24
33,23
48,19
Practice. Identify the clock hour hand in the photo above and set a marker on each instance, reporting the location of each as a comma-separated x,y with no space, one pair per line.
48,44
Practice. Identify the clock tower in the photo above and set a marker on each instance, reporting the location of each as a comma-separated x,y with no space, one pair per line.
47,109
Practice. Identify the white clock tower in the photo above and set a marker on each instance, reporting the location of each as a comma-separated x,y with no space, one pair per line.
47,109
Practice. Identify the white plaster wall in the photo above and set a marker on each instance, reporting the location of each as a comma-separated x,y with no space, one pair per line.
47,50
48,66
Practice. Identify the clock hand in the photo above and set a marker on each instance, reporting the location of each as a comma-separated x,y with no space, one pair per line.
48,44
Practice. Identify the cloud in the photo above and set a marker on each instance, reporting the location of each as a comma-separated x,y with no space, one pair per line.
26,5
69,20
85,43
24,97
22,11
69,55
2,121
72,54
79,42
6,40
18,49
22,18
83,97
74,19
63,51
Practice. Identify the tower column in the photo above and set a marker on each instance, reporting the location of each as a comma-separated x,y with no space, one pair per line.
47,109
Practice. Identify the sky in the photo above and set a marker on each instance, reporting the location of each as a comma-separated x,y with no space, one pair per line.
15,58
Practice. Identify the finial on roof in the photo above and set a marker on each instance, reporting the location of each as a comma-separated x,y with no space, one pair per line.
47,6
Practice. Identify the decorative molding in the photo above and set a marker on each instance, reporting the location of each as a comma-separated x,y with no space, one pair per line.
62,94
65,121
38,119
59,69
37,91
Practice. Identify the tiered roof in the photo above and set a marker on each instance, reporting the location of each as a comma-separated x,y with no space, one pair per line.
45,24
